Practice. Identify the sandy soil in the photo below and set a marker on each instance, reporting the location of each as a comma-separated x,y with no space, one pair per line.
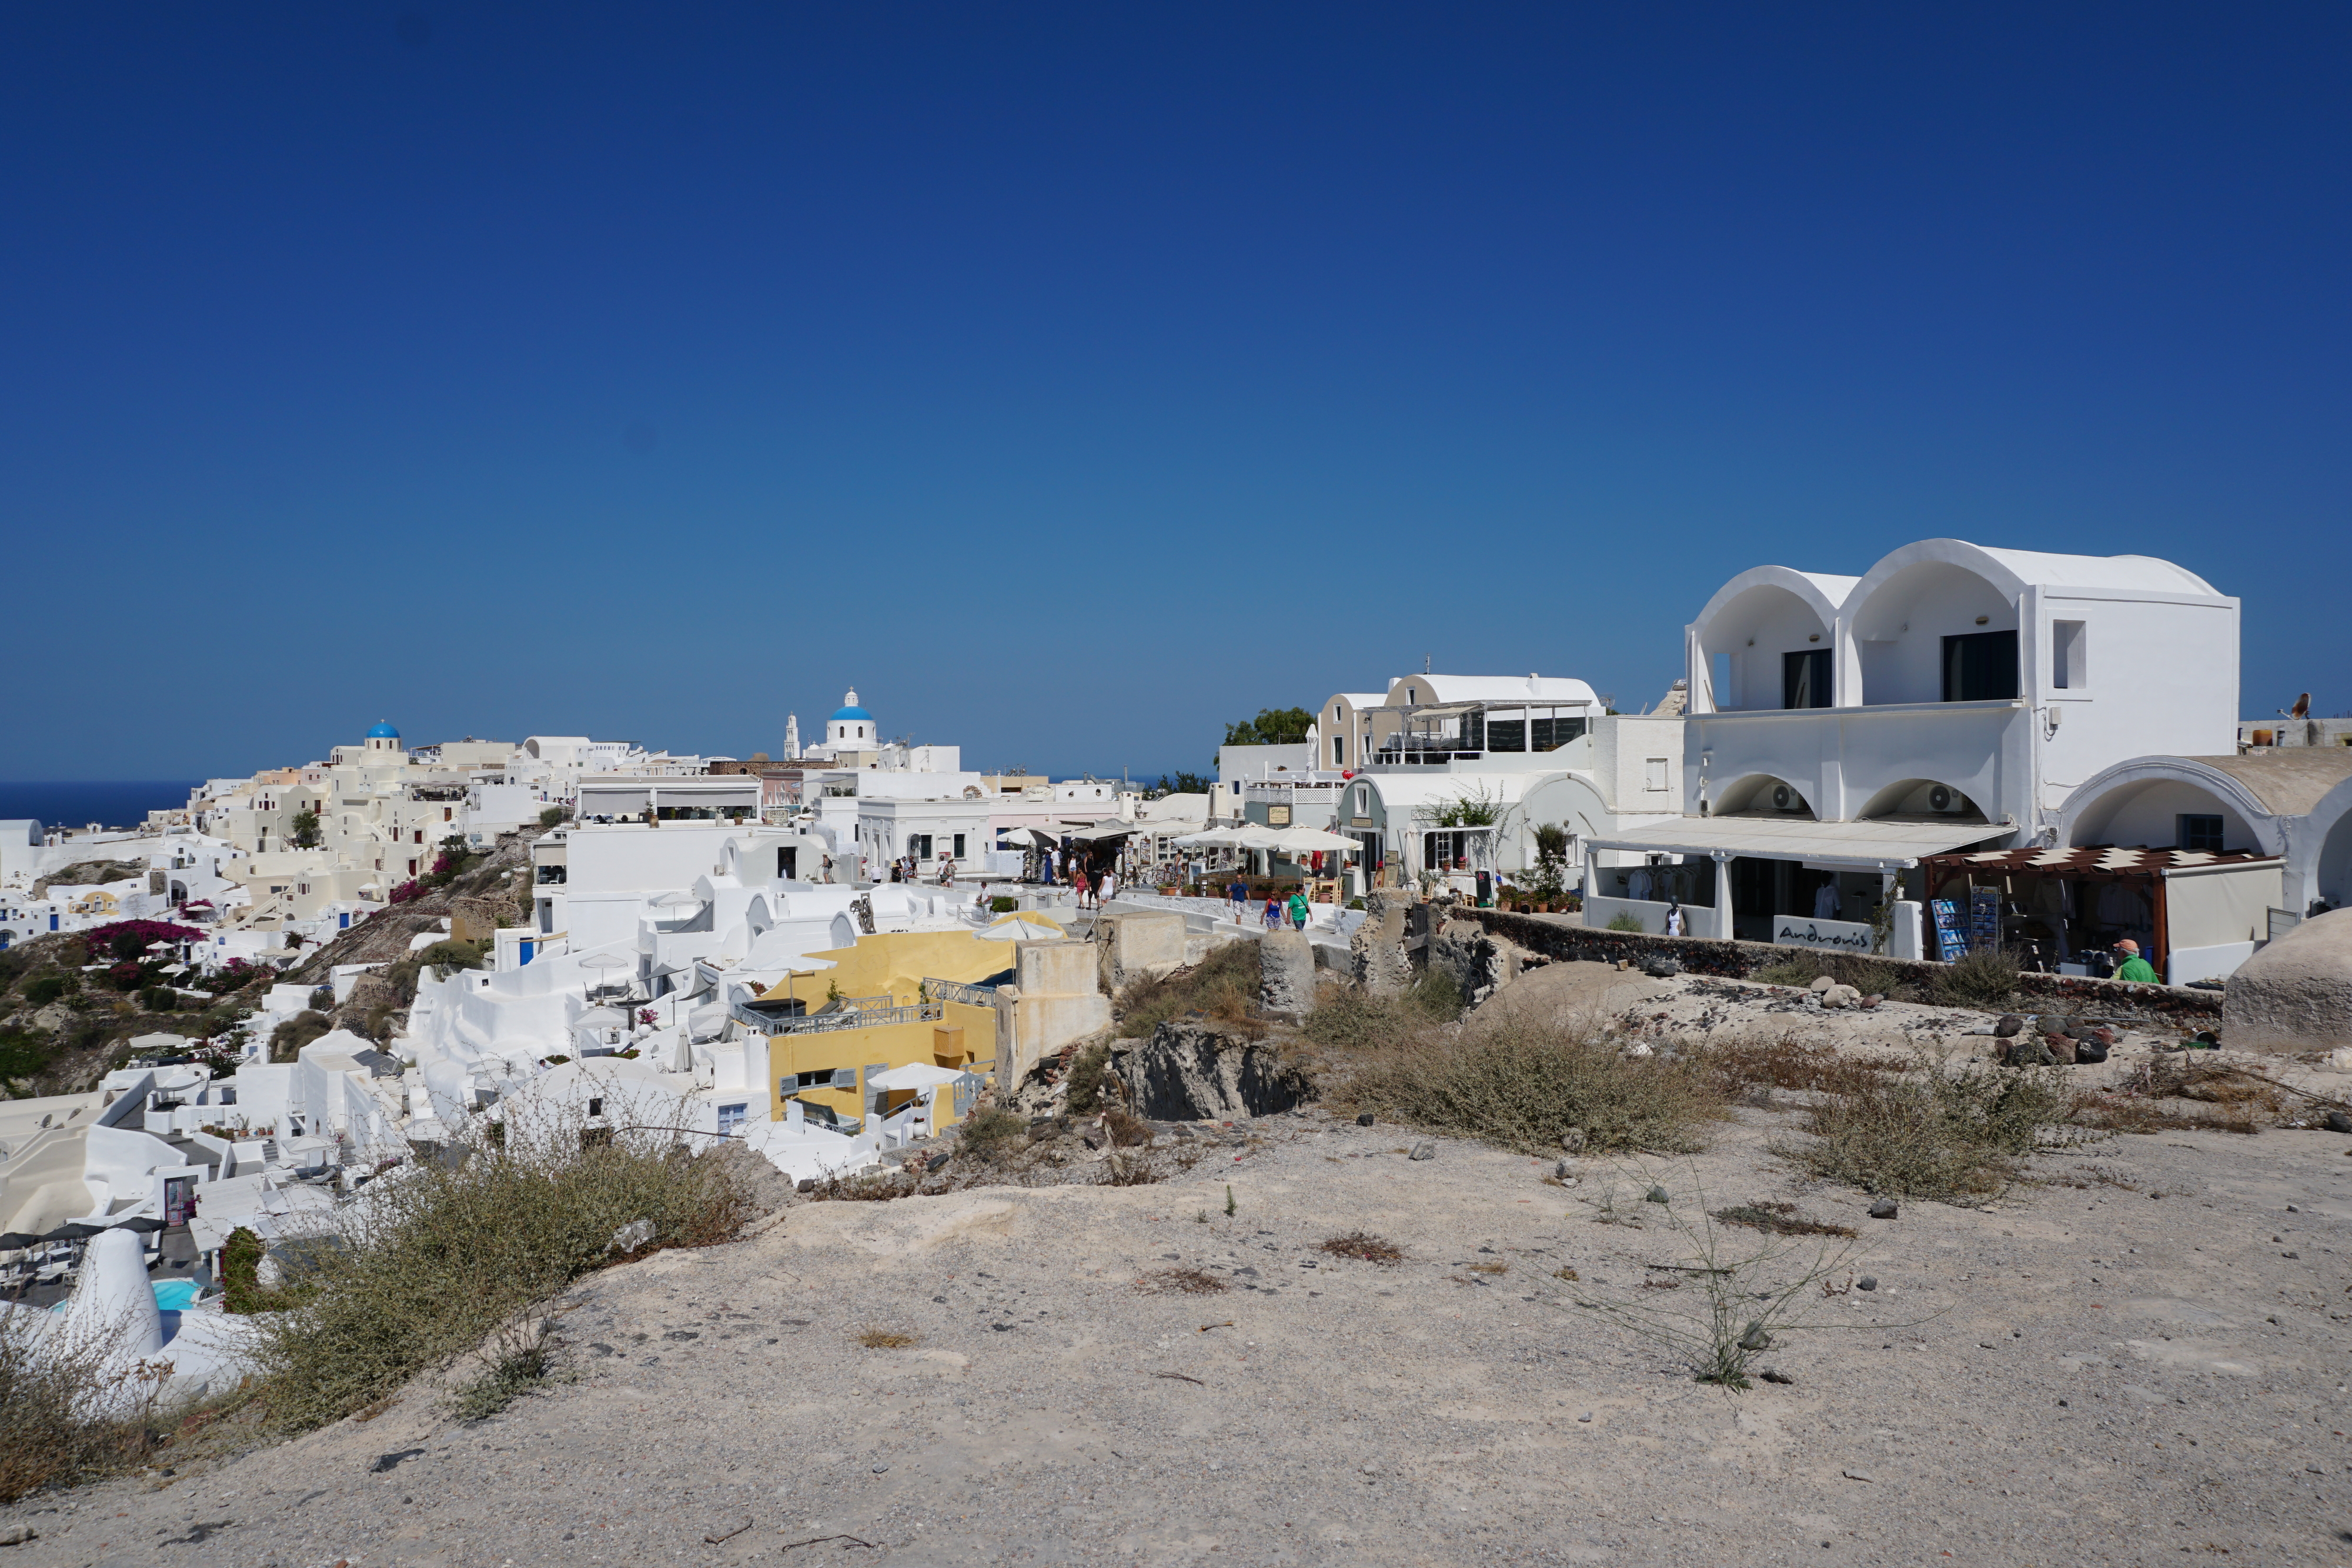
2141,1357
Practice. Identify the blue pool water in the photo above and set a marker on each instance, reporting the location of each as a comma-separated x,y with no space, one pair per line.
174,1295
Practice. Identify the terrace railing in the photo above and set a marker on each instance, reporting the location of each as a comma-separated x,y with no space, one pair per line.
749,1015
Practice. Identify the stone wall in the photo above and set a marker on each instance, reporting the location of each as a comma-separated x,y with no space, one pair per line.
1739,960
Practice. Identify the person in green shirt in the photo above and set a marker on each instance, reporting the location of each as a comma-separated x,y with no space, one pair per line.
1297,909
2133,967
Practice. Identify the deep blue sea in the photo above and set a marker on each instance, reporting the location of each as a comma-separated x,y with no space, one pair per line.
116,802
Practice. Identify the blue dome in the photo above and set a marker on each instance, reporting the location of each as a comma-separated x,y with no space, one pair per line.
853,712
383,731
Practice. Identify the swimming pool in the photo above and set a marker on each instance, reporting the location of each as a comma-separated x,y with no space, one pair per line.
174,1295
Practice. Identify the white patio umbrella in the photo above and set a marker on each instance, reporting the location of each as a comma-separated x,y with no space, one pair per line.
914,1075
1308,840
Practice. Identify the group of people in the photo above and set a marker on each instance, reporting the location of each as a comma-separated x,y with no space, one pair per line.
906,868
1277,910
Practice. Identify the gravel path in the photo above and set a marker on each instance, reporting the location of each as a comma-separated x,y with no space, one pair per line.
2093,1373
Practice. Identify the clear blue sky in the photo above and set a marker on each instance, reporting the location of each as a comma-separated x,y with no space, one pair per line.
1073,381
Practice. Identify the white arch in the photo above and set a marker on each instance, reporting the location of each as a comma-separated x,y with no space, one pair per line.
2319,862
1914,797
2093,809
1745,792
1765,605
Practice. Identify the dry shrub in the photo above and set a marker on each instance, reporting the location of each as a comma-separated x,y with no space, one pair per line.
1348,1019
1523,1086
438,1254
886,1339
1497,1267
1985,978
1222,986
2225,1099
1366,1247
1126,1131
65,1415
1136,1169
1738,1065
1180,1281
1779,1219
1871,977
1950,1136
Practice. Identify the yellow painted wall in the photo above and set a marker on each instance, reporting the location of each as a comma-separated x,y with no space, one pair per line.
896,962
892,1044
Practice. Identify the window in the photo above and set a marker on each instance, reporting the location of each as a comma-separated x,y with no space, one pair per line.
1339,752
1805,678
919,846
2195,832
2068,646
731,1119
959,846
596,1106
1980,667
1653,773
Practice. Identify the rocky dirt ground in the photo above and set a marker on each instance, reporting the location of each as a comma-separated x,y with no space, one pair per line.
2138,1356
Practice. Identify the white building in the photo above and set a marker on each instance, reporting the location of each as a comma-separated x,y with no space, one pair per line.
1844,731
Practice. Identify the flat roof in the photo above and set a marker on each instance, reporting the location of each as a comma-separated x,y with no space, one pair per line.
1866,844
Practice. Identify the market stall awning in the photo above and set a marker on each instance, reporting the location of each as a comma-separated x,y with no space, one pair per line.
1106,830
1858,844
2104,860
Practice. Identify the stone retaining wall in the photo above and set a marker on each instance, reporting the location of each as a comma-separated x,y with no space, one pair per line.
1739,960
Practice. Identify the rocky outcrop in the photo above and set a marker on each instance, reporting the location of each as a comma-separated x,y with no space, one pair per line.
1191,1072
1378,956
1286,975
2296,993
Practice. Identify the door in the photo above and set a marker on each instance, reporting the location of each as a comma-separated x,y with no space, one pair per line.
1980,667
176,1194
1805,679
788,860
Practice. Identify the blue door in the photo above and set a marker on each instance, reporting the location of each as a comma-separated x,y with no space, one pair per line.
526,950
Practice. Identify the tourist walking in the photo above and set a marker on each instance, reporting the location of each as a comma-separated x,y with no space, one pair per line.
1239,894
1299,909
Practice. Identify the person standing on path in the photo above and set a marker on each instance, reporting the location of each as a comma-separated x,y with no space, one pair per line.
1239,894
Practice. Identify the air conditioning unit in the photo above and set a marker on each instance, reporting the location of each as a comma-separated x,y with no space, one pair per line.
1784,798
1943,799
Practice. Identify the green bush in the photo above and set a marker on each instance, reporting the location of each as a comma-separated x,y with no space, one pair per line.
1003,903
160,1000
441,1256
286,1040
555,816
43,989
1624,920
448,957
991,1131
1087,1070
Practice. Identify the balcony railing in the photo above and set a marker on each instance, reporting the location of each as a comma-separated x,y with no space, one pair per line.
767,1023
956,991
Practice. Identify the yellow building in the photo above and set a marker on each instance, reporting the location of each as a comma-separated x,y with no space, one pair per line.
891,1000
